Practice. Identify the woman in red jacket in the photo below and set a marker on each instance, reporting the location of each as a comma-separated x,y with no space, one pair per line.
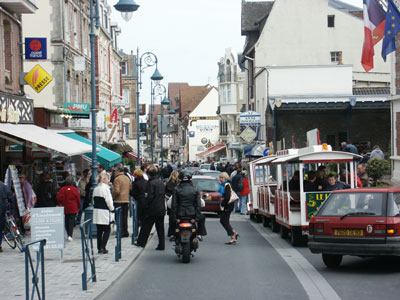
68,197
244,193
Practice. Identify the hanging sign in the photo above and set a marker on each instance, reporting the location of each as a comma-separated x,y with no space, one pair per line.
38,78
35,48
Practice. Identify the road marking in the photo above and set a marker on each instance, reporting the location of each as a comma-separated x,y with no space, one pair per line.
313,282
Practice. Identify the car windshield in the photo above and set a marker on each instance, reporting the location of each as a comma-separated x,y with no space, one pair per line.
212,174
353,204
206,185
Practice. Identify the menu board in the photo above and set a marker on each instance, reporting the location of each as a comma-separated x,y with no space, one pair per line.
48,223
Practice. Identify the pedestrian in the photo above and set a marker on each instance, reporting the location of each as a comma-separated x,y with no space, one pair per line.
29,200
120,194
103,211
139,193
377,152
6,196
349,147
212,166
236,181
227,208
68,197
46,192
244,193
309,184
154,209
334,184
82,191
362,173
169,190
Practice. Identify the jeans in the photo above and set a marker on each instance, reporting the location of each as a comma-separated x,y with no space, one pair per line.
243,203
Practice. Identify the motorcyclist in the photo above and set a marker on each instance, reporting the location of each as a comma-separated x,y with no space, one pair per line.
186,201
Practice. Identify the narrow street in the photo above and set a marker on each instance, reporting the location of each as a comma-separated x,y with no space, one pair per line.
260,266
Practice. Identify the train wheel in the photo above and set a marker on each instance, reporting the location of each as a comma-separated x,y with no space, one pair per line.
296,237
258,218
284,232
265,221
274,225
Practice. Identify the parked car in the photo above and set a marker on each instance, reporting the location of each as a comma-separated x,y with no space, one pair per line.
205,172
191,169
362,222
208,188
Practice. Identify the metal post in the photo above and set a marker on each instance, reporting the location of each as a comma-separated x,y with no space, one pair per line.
161,136
138,85
151,122
119,234
93,18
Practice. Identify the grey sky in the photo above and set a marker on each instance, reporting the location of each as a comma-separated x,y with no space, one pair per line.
188,37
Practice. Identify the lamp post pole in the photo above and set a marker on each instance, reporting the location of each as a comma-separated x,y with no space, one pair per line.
151,123
149,59
164,105
157,90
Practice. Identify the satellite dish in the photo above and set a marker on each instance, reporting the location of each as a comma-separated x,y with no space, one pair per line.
120,111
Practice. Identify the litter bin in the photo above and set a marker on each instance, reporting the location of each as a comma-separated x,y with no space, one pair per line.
89,215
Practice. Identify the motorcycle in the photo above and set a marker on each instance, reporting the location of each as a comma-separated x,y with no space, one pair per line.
186,240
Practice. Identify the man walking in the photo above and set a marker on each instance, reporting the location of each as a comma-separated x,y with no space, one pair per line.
122,187
5,196
154,210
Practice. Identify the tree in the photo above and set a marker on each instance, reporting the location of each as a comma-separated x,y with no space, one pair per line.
377,167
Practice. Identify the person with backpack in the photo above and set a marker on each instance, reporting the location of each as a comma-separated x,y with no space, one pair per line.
244,192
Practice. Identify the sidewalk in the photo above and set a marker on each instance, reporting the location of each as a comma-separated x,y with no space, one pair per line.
63,278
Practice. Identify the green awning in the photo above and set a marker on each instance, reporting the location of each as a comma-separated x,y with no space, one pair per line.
105,156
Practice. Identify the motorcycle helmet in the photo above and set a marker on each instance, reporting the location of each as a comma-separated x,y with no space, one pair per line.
185,176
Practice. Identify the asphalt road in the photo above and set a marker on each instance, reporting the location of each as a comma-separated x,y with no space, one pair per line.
260,266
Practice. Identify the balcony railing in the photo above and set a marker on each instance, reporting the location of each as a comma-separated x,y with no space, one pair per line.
16,109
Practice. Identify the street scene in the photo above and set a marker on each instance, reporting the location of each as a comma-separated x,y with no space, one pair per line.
168,149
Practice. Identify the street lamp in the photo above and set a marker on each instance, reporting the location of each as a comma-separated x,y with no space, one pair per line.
149,59
157,90
164,105
126,6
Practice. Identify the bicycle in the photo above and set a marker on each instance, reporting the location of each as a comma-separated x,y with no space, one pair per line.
11,233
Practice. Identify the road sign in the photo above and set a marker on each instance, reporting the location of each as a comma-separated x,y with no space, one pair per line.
248,134
38,78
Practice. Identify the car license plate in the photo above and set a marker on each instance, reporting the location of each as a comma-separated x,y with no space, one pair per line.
348,232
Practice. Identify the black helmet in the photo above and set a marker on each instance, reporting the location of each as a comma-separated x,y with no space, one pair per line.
185,176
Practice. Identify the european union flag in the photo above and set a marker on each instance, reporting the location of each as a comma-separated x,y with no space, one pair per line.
392,27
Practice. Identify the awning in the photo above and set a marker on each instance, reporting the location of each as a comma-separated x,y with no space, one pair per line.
211,150
48,139
106,157
130,154
254,150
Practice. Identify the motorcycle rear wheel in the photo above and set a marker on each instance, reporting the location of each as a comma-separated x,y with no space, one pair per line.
186,253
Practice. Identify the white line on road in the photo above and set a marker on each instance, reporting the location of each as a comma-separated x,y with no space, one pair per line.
313,282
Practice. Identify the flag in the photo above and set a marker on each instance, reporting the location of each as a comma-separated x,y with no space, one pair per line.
374,24
392,27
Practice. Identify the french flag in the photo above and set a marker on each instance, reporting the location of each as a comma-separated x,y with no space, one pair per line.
374,27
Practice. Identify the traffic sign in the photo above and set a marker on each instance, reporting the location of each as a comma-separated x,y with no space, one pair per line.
248,134
38,78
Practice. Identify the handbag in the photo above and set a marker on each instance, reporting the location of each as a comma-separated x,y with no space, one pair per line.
233,197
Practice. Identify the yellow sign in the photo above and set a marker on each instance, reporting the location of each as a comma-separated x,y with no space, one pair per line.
38,78
204,118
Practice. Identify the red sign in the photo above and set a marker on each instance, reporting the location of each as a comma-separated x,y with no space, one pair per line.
114,116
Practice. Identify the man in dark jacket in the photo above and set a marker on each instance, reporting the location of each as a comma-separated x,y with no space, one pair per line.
5,196
236,180
154,210
335,184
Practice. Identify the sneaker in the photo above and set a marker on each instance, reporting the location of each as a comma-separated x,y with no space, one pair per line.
70,239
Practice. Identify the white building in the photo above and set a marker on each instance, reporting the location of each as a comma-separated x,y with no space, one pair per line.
203,126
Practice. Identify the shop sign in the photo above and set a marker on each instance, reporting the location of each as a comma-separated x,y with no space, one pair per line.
48,223
250,118
77,109
38,78
35,48
204,118
248,134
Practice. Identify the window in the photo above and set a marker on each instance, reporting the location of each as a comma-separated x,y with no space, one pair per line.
84,37
76,40
335,56
7,46
126,97
228,71
331,21
123,68
66,24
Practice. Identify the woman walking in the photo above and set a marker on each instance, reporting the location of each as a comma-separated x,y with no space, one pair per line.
169,190
103,205
227,208
68,197
139,193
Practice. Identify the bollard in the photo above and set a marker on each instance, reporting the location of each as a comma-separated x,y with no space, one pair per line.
118,218
134,222
87,253
29,262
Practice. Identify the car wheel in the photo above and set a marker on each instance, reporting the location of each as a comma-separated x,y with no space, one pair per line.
332,260
265,221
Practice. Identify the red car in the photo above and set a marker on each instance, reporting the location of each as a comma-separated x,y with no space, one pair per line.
361,222
208,188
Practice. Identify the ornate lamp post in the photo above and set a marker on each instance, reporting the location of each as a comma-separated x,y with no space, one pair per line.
148,59
164,105
157,90
124,6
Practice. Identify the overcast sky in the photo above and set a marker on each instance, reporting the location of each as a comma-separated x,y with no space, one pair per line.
188,36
